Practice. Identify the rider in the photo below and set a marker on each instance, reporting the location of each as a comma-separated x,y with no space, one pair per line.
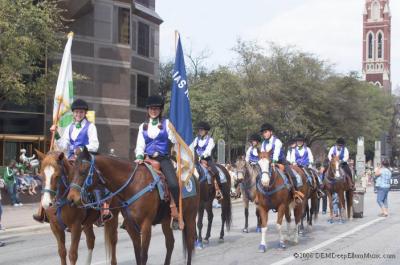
252,152
203,145
291,146
341,150
79,133
153,141
273,145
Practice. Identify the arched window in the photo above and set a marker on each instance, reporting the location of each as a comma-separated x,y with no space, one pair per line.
375,10
370,45
380,45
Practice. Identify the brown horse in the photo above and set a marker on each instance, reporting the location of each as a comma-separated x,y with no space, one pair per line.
335,181
247,176
207,196
274,193
141,205
56,173
311,200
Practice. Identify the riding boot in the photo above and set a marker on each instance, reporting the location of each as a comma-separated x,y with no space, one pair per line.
174,214
40,216
218,193
320,193
106,214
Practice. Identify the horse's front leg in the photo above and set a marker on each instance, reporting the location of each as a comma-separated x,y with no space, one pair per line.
76,231
281,213
341,206
246,213
60,237
199,242
264,227
146,236
90,239
210,217
258,229
169,239
329,194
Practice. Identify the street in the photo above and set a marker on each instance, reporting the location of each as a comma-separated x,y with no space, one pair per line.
364,238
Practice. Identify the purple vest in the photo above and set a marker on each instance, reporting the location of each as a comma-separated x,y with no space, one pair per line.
81,140
281,154
200,150
253,158
341,155
303,161
158,144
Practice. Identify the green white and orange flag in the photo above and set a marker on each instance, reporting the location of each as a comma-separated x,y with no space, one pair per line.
62,114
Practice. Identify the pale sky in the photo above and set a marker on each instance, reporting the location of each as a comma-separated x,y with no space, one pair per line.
330,29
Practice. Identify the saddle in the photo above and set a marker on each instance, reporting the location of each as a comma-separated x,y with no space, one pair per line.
155,165
218,195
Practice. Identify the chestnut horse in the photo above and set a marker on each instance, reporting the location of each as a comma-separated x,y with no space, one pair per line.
56,173
274,193
247,176
141,205
335,181
207,196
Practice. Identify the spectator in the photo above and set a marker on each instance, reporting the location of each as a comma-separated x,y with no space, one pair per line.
382,183
335,202
2,185
11,182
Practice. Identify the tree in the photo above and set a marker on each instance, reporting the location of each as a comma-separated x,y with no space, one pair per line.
28,36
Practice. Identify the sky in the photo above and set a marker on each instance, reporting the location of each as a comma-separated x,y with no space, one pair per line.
330,29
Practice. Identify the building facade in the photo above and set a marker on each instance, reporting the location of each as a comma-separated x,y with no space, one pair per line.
377,43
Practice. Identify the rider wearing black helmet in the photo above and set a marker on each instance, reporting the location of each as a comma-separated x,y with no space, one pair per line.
252,152
339,149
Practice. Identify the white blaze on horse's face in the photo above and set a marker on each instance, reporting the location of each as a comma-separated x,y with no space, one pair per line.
337,173
240,175
48,174
264,165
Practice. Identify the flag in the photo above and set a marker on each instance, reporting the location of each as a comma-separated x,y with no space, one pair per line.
62,114
181,115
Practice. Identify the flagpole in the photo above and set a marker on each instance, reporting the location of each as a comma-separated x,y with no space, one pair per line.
179,162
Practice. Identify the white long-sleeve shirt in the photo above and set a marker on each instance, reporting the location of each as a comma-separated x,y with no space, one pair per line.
201,142
346,153
248,152
268,147
64,142
292,158
289,154
152,131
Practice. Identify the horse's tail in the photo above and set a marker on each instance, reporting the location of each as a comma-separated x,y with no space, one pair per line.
107,243
227,205
349,202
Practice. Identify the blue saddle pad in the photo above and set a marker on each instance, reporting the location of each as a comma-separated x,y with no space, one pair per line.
299,180
222,176
189,190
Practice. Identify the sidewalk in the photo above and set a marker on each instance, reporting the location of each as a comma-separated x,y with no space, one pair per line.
19,219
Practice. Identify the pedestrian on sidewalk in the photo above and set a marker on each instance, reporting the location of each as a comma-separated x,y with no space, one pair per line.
2,185
10,180
382,183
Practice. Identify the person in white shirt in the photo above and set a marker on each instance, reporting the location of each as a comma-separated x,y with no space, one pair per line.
252,152
291,146
340,150
153,140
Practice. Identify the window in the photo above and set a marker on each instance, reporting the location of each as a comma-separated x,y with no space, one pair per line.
370,45
142,90
124,22
380,45
145,3
143,39
375,10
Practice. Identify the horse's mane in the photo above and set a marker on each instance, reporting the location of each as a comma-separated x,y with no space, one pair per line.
114,158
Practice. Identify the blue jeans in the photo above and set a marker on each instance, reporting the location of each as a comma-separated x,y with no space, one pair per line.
382,197
12,191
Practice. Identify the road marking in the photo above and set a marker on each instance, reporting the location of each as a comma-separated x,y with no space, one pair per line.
330,241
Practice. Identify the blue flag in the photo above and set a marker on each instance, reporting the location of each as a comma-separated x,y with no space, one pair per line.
180,113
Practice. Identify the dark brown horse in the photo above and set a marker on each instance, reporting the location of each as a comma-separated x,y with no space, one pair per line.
141,205
274,193
56,173
311,205
335,181
207,196
247,177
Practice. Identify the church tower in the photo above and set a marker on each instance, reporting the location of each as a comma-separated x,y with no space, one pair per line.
376,43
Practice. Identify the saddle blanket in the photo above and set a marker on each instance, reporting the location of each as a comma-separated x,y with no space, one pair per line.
189,190
298,179
222,176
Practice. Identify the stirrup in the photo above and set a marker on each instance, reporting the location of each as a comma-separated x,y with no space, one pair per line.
218,195
298,196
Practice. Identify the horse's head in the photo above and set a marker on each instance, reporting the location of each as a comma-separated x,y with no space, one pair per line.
240,169
265,162
82,170
334,166
52,171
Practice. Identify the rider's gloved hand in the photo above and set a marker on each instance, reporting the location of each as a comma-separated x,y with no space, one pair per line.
139,159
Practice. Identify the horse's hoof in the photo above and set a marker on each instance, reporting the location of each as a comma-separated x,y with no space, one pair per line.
258,229
262,248
341,221
199,245
282,245
301,232
221,240
245,230
206,241
330,221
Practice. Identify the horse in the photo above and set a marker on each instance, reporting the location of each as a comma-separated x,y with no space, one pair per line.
141,205
334,181
311,204
207,195
274,193
247,175
56,172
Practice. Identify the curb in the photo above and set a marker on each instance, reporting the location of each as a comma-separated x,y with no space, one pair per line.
23,229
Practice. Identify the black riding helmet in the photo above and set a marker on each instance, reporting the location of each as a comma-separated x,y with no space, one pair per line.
79,104
300,137
255,137
155,101
340,141
266,127
203,125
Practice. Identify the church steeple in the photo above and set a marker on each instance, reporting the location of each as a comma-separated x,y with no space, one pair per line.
376,43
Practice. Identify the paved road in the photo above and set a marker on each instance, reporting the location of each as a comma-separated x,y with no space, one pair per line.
369,237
